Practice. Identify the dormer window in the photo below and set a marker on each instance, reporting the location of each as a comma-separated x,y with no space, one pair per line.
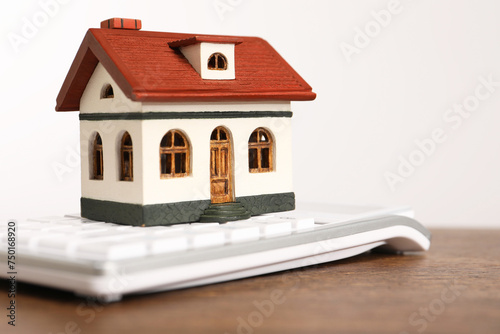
107,92
217,61
211,56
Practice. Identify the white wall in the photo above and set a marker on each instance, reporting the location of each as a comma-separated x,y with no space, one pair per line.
148,188
110,187
91,101
370,111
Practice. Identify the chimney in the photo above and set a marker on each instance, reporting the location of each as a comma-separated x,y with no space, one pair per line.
119,23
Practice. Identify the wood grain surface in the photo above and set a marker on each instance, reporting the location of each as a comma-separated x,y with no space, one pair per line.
453,288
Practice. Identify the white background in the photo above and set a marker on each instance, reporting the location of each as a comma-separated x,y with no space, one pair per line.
370,110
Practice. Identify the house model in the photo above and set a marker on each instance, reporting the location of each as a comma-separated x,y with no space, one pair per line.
179,128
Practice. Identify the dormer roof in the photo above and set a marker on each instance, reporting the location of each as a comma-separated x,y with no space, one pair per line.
149,67
205,39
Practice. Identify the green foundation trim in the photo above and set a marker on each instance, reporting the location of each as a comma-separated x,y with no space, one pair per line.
176,213
261,204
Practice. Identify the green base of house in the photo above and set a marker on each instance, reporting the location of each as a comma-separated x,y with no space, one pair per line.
176,213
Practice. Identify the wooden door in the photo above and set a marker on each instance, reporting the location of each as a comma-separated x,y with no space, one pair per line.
221,179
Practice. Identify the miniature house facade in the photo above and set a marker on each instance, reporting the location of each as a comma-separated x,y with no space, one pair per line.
175,125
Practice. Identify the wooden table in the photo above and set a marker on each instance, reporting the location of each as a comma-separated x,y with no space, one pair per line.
454,288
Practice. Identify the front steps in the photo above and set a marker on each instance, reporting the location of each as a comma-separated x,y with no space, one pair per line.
224,212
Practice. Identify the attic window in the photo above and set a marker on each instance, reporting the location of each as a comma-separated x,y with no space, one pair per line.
107,92
217,61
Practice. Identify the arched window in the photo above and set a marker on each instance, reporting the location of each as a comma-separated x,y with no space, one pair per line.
174,155
127,158
107,92
260,151
98,162
217,61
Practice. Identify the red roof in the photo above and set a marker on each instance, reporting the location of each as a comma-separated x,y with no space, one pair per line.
148,69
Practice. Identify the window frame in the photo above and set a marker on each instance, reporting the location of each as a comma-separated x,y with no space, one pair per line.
217,55
126,149
260,146
173,150
97,152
